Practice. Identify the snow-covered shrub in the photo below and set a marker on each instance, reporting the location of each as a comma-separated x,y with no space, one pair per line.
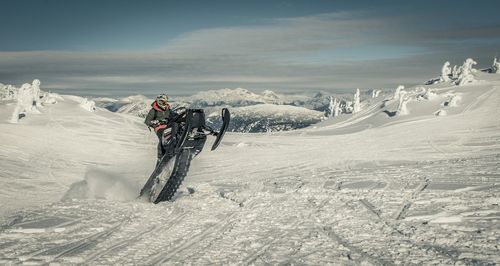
8,92
445,72
50,98
466,76
403,100
495,68
453,101
356,107
427,94
88,105
376,93
440,112
347,106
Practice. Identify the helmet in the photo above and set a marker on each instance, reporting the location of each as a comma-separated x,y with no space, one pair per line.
162,101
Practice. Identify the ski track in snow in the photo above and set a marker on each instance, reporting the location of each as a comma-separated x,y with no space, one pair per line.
422,190
352,224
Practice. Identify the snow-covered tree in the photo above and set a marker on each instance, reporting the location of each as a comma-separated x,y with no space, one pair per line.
35,87
26,98
25,102
455,72
403,100
356,107
398,91
466,71
334,107
376,93
496,66
445,72
330,107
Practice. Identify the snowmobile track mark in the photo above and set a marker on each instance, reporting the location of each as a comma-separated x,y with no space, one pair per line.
330,233
74,246
193,241
407,203
120,244
448,253
371,208
253,257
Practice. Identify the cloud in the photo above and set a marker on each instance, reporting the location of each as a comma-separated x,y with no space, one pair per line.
326,51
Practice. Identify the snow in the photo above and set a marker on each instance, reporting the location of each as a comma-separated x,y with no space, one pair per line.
445,72
496,66
232,97
466,72
356,106
367,188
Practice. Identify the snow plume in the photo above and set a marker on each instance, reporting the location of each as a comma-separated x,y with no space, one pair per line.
100,184
466,70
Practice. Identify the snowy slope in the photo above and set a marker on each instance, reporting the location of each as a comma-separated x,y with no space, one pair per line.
252,112
266,118
373,188
45,153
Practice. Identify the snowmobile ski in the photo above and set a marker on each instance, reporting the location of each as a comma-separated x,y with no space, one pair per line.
226,117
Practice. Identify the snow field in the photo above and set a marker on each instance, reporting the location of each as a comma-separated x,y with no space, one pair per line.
370,189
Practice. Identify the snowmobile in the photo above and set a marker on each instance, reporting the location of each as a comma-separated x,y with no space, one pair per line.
183,139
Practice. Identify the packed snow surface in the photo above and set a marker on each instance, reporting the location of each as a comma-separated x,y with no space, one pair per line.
373,188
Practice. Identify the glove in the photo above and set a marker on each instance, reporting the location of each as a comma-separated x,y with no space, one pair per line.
155,123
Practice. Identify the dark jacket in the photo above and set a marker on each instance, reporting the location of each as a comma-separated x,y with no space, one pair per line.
158,118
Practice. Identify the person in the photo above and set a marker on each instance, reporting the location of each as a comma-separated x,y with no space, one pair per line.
158,118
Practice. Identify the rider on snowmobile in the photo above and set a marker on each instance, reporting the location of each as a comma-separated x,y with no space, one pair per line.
159,118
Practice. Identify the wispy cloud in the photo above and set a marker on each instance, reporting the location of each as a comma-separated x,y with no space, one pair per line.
326,51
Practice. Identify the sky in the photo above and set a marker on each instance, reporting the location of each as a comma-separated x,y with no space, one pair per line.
120,48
